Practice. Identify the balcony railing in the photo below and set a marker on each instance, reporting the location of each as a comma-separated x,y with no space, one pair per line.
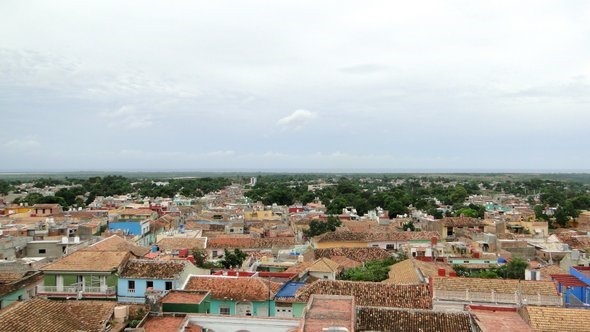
84,291
493,297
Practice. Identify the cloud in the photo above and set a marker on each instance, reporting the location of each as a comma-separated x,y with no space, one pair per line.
366,68
23,144
128,116
297,119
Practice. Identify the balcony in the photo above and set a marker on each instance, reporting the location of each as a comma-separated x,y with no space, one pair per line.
77,291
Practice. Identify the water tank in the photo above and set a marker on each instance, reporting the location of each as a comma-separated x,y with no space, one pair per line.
121,313
441,272
183,253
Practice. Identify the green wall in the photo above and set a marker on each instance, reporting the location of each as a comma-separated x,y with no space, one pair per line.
298,309
12,297
49,280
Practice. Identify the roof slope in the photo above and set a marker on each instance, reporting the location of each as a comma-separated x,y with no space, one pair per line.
89,261
177,243
506,286
371,293
324,265
253,289
56,316
117,243
146,268
404,320
553,319
356,254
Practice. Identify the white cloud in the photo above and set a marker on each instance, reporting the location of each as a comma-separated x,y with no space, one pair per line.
22,144
297,119
128,116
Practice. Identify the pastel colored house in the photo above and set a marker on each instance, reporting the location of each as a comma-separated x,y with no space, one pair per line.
183,301
139,275
83,274
131,227
237,296
18,285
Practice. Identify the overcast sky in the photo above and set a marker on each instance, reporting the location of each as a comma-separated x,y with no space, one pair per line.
206,85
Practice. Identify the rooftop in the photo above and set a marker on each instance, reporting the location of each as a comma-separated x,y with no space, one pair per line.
371,293
411,320
176,243
89,261
117,243
56,316
324,311
249,242
356,254
185,296
247,288
554,319
152,269
163,324
491,319
511,286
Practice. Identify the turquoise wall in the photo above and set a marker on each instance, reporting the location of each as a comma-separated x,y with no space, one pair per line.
12,297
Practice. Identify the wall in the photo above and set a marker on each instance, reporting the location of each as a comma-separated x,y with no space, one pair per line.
134,227
336,244
140,286
52,249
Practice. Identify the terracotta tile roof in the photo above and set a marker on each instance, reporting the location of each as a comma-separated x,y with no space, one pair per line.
403,273
170,243
253,289
460,222
136,212
324,265
547,271
184,296
346,262
348,236
506,286
356,254
250,243
324,311
492,319
89,261
554,319
117,243
371,293
299,267
151,269
163,324
404,320
11,284
57,316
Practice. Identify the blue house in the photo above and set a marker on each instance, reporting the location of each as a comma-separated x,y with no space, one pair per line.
139,275
132,227
575,286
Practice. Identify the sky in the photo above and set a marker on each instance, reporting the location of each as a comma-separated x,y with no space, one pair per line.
294,85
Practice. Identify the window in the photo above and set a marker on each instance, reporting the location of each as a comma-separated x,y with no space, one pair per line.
42,251
168,285
149,284
224,310
131,286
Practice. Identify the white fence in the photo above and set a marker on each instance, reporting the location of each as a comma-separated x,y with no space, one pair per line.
74,290
493,297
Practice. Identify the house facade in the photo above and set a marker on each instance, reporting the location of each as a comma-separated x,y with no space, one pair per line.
139,276
83,274
237,296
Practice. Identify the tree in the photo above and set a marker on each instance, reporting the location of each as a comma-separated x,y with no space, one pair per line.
200,256
409,226
514,269
233,259
320,227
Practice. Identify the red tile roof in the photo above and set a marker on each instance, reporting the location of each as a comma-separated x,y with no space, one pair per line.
247,288
371,293
147,268
411,320
163,324
57,316
250,243
324,311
